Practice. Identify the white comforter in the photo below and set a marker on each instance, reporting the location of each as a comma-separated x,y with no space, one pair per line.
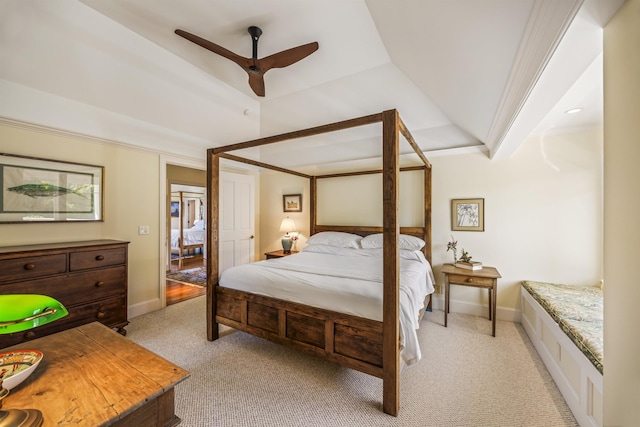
191,237
344,280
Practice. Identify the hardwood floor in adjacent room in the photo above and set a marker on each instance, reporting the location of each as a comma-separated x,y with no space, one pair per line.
178,292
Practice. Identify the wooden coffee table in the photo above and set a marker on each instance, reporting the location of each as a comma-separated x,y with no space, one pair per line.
91,376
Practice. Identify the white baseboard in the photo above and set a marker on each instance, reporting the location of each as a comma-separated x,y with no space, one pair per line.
144,307
465,307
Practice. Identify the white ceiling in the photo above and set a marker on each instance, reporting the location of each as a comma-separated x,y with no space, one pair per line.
484,74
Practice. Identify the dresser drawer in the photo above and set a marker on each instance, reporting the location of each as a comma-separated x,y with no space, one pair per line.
71,289
111,312
34,266
471,281
94,259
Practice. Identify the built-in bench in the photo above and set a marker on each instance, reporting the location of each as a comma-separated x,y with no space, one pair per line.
565,325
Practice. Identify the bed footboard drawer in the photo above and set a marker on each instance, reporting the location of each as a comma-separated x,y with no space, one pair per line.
306,329
359,343
263,317
229,307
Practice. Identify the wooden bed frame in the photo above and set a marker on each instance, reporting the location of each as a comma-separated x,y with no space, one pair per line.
358,343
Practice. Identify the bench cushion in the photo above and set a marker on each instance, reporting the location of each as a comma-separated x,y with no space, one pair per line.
578,311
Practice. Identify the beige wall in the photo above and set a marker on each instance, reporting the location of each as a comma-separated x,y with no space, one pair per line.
340,202
543,210
130,199
272,187
621,223
543,213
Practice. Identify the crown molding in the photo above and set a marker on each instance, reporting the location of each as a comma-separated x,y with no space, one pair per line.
547,24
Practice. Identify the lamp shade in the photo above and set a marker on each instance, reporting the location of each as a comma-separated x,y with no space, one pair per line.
287,225
20,312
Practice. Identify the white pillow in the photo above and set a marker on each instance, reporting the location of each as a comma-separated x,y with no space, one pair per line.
374,241
335,238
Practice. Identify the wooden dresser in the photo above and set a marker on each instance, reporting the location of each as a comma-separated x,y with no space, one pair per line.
88,277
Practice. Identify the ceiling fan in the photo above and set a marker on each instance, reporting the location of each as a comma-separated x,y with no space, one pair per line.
255,67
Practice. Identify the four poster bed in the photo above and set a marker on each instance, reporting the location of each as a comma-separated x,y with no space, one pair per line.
185,239
371,345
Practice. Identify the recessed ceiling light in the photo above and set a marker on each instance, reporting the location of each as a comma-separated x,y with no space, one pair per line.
573,111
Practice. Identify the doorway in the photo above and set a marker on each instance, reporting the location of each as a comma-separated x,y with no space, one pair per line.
184,238
186,219
186,276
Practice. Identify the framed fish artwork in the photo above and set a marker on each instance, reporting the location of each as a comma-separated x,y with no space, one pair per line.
41,190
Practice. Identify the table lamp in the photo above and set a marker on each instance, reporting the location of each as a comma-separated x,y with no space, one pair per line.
20,313
287,225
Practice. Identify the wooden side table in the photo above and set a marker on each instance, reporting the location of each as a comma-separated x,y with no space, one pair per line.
93,376
486,278
278,254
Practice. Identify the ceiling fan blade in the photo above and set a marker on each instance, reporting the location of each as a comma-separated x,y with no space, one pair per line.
287,57
245,63
256,81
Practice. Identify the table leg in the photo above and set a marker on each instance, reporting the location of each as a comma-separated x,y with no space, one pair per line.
494,297
446,298
490,303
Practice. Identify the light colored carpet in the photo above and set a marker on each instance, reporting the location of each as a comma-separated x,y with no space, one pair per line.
465,378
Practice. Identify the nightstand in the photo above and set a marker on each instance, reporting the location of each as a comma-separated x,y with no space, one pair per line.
486,278
278,254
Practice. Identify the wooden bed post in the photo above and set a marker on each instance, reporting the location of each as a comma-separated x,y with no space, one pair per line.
181,231
213,214
427,186
313,197
391,276
427,212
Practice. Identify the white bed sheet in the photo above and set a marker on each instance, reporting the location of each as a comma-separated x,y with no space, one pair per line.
345,280
191,237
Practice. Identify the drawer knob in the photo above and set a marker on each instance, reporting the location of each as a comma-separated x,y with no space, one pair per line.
29,335
100,315
470,280
99,284
99,257
30,266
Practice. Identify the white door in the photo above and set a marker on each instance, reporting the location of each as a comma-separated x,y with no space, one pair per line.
236,219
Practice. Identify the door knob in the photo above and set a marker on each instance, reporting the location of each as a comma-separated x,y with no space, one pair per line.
251,237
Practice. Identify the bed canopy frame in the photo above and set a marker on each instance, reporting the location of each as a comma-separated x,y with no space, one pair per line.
362,344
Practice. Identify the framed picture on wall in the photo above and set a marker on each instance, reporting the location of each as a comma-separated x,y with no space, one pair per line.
467,214
175,209
41,190
292,202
